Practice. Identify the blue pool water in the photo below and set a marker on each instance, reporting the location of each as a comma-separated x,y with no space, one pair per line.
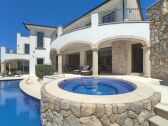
17,108
97,86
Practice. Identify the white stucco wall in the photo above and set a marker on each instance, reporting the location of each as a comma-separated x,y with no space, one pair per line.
7,56
21,41
102,33
116,5
36,53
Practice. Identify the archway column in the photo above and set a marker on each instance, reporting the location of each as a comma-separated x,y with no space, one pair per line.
3,67
59,63
82,58
95,59
146,62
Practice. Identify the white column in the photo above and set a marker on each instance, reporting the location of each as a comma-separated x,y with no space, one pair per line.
95,20
60,31
3,67
33,58
32,65
59,63
129,56
9,66
82,58
95,61
146,62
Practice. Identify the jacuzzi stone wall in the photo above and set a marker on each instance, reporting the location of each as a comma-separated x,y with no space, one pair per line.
60,112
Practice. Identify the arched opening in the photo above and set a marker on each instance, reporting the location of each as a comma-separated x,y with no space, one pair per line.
137,58
75,55
16,66
121,56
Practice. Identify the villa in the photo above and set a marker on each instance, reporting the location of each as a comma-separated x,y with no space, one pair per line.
101,38
124,50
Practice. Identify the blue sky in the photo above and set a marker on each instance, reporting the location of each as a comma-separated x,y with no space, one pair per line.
47,12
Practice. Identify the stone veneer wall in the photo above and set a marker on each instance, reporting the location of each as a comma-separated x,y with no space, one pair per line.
60,112
158,17
119,58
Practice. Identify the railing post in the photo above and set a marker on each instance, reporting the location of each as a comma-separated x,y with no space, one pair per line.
60,30
94,19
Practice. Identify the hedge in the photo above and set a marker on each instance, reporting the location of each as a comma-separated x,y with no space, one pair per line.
43,70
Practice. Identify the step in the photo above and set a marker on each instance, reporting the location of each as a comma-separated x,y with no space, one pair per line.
162,110
158,121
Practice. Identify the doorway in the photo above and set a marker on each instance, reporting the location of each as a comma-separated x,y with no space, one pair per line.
137,58
73,61
105,60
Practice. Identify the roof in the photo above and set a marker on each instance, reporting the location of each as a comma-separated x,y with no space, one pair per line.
138,2
29,26
87,13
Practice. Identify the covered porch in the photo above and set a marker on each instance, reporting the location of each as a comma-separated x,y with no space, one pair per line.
119,56
15,66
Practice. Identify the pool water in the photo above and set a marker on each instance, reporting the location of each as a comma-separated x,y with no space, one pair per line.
17,108
97,86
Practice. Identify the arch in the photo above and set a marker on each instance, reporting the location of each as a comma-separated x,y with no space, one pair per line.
74,42
142,40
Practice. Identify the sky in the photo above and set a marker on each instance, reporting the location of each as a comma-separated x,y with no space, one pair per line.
45,12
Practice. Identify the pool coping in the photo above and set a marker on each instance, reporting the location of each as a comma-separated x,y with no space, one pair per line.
142,92
33,90
12,78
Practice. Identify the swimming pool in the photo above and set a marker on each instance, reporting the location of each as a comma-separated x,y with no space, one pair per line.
97,86
17,108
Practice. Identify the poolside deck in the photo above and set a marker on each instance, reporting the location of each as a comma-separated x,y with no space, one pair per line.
34,89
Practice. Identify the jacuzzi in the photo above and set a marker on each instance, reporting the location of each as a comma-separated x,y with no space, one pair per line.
97,101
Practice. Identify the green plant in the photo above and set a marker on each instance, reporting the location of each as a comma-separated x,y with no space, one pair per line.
43,70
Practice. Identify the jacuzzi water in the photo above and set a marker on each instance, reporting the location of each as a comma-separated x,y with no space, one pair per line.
97,86
17,108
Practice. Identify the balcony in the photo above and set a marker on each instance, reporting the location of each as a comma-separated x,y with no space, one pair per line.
104,17
8,54
100,29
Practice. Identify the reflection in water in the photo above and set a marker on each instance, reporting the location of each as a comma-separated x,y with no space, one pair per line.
16,108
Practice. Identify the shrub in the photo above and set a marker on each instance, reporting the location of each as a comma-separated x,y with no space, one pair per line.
43,70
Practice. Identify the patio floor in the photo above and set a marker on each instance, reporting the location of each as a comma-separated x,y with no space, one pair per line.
34,89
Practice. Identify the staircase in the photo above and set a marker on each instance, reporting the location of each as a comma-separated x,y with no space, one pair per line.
161,118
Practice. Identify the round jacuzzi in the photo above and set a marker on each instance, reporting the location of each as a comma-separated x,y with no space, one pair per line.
98,101
97,86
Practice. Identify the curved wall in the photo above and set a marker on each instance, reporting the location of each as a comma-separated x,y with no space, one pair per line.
62,108
94,35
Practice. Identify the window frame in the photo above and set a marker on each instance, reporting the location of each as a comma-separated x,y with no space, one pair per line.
113,17
26,49
40,59
37,43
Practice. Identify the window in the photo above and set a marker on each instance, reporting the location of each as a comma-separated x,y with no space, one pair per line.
40,61
27,49
40,36
109,17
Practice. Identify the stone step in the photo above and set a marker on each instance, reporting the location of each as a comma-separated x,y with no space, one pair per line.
161,109
158,121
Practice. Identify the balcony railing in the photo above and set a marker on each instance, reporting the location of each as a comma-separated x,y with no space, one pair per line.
104,17
120,15
84,22
11,51
54,35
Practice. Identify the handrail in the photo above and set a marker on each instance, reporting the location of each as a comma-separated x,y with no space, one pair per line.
120,15
130,15
73,30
